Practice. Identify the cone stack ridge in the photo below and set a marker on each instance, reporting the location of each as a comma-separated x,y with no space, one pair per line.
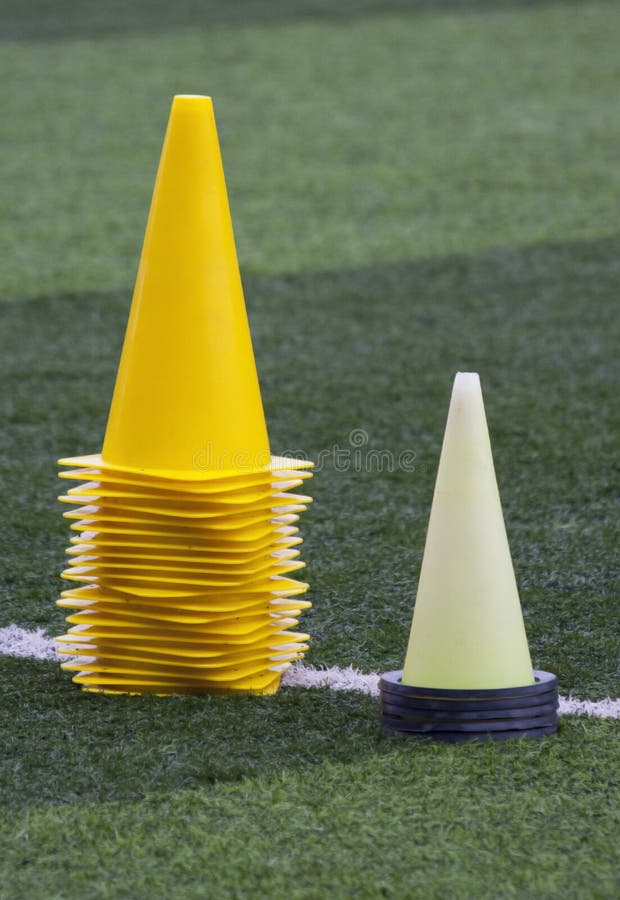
185,549
467,629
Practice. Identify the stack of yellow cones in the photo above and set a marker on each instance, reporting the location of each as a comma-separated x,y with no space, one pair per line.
186,541
468,673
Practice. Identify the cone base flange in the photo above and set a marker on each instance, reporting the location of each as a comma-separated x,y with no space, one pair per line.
465,715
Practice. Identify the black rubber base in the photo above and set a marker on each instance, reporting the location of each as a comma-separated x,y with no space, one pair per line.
440,715
418,725
473,706
443,714
544,681
454,737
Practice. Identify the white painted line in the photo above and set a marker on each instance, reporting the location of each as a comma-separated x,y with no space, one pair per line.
337,679
602,709
15,641
351,679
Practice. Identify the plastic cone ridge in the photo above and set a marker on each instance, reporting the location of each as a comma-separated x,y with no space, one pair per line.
187,388
467,629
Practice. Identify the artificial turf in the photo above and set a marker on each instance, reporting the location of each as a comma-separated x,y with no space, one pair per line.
425,821
415,188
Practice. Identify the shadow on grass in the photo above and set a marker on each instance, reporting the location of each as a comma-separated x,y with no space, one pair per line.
47,20
62,745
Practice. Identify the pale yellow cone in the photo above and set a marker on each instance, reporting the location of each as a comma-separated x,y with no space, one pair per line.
467,629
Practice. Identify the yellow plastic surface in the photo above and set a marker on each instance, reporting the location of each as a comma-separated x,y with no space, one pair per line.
200,475
238,523
267,536
202,482
467,629
187,390
154,657
98,683
94,597
184,616
185,522
244,539
145,556
96,489
180,641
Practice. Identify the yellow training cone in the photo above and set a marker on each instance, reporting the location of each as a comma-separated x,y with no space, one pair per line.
467,671
187,382
186,522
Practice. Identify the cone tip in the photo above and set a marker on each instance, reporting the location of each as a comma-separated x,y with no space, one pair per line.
192,99
466,384
467,377
192,107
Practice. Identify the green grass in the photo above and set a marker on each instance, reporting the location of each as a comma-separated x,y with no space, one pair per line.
365,139
412,822
416,188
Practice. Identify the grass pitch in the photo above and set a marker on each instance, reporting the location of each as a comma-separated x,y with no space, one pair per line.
415,188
